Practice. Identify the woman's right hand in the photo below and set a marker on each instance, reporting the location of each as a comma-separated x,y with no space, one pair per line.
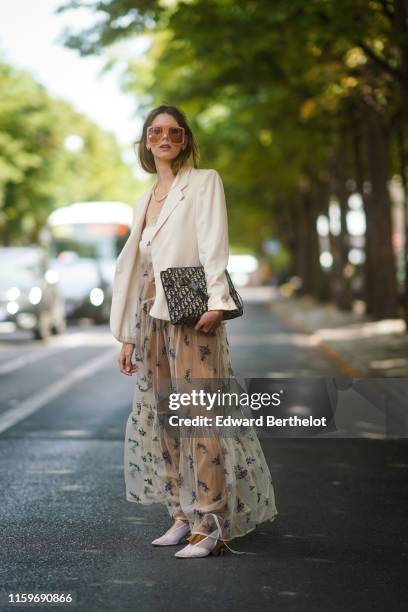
125,359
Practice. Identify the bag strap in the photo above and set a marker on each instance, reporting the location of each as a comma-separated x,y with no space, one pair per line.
232,285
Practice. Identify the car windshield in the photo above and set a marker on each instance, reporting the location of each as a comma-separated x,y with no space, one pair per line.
19,266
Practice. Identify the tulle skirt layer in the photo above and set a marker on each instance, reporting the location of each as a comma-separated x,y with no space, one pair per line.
194,476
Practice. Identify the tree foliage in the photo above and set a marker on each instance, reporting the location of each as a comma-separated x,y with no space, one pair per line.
38,172
284,96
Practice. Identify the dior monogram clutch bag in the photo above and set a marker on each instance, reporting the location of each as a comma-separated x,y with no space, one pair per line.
185,289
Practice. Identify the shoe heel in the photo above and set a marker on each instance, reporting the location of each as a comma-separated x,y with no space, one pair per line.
219,549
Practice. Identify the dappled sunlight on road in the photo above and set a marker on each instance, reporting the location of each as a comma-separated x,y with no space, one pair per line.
364,330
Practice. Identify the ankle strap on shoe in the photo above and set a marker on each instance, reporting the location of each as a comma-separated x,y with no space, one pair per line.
236,552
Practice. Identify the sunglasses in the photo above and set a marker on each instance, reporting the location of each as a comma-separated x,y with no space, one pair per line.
155,134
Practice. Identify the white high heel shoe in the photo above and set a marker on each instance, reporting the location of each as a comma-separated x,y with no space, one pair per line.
173,535
212,544
209,545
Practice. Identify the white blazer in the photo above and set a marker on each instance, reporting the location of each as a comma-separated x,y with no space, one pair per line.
191,230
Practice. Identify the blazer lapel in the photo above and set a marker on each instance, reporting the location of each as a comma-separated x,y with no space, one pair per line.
173,199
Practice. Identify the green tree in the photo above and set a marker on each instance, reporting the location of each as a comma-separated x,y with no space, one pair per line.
38,172
296,103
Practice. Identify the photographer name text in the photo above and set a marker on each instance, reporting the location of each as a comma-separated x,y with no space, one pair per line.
260,421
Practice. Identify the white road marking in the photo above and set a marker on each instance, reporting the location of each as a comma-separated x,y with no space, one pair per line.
55,345
37,401
24,360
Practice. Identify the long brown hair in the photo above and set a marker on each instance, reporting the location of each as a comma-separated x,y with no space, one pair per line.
146,157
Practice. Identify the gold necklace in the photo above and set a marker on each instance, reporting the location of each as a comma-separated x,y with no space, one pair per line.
156,198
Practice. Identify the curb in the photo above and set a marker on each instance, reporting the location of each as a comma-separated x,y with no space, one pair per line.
395,411
344,366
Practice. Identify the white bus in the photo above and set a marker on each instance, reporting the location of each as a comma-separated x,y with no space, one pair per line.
85,240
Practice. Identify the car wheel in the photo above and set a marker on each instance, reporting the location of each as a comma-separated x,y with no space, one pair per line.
59,328
43,330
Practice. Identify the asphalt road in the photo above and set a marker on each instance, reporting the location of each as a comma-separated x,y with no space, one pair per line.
340,540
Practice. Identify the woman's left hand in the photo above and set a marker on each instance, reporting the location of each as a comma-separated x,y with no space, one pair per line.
209,321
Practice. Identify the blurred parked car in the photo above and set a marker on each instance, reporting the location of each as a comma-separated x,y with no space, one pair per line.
86,291
30,298
244,270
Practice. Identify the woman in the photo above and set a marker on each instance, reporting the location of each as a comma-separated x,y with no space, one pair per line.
215,487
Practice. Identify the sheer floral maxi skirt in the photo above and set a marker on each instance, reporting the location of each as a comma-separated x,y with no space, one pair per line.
198,475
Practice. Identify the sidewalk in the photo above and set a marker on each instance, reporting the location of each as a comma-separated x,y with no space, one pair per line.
360,346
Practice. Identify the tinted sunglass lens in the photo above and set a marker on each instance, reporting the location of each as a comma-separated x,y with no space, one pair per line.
154,134
176,134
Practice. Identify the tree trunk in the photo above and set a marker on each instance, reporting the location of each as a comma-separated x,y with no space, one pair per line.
382,297
339,244
402,154
314,281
